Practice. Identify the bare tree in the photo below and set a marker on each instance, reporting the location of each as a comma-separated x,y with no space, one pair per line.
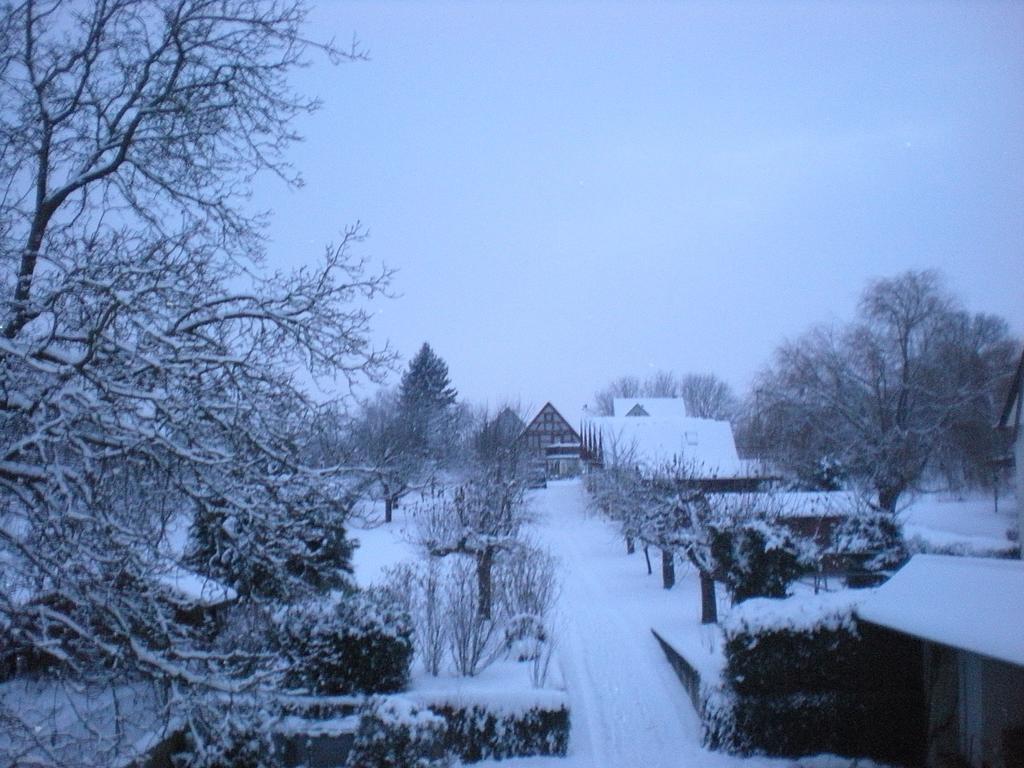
624,386
664,508
876,399
382,441
705,395
662,384
147,358
708,397
482,519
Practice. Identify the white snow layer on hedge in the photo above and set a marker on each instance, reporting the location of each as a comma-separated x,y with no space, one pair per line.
501,689
402,710
800,613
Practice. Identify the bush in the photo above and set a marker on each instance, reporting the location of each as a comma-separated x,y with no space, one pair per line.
756,559
395,733
442,597
346,644
852,723
420,589
474,642
804,677
475,733
874,539
227,737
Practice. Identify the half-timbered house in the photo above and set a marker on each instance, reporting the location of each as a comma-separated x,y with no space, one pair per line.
552,443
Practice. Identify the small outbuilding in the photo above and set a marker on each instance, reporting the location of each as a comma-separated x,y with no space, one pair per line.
968,615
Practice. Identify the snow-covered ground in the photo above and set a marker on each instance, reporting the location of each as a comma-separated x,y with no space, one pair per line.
971,526
627,706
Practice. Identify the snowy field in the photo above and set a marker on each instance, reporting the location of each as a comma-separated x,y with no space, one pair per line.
969,526
627,706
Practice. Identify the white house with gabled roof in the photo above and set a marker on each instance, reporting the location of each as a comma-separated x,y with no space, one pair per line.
650,433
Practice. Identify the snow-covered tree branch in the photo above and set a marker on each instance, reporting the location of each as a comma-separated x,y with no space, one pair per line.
148,392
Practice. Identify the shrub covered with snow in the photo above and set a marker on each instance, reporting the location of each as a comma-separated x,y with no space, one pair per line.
397,733
873,541
238,734
803,676
346,643
477,732
785,646
418,587
247,553
757,559
442,597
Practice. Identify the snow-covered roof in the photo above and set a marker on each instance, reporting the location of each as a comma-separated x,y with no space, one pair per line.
704,445
653,407
972,603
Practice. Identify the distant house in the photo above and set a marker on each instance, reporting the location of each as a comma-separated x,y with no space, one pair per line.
650,433
508,424
968,614
501,432
652,407
553,443
1010,420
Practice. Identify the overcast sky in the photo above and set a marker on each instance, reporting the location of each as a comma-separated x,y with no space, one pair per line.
576,191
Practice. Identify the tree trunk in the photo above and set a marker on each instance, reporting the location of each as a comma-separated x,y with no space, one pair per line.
389,506
668,569
708,603
888,496
647,557
484,561
630,545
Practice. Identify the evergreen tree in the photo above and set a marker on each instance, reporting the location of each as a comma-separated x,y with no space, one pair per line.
426,403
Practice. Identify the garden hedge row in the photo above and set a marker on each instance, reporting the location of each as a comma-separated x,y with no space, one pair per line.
475,733
849,689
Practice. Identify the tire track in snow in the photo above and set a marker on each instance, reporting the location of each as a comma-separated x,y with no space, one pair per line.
627,707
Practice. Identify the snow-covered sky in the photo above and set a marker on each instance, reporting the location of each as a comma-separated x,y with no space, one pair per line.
572,191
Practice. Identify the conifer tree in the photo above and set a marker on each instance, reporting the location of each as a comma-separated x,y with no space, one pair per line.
426,403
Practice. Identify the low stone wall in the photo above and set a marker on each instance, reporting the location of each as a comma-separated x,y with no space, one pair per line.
687,675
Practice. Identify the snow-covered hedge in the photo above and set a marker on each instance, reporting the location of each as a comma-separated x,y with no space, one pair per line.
806,643
413,731
803,677
397,733
350,643
477,732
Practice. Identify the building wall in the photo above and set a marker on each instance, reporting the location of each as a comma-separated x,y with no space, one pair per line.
1002,710
1019,460
973,703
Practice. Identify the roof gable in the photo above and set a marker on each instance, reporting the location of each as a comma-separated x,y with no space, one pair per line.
549,415
653,407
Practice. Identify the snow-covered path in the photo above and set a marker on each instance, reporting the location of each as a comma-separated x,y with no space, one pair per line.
628,707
